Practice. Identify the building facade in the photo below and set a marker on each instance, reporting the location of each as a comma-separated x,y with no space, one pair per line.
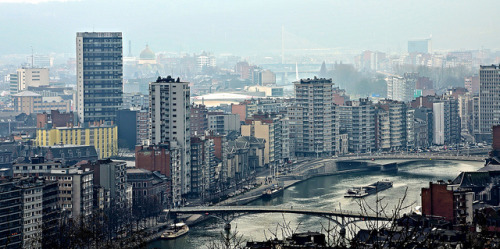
401,88
489,99
11,209
29,102
99,70
223,123
199,120
104,138
311,117
170,121
357,120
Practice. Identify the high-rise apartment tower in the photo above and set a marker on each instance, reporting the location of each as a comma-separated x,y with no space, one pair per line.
99,72
170,113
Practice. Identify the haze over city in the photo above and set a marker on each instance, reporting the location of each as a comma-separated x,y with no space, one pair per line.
249,27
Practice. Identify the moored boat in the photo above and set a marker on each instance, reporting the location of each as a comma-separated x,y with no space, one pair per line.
175,231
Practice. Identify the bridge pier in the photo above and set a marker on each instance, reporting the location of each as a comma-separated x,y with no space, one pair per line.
227,227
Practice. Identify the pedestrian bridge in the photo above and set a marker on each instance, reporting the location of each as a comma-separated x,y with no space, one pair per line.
227,213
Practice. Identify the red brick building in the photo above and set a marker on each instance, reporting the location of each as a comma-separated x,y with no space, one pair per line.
437,200
156,158
55,118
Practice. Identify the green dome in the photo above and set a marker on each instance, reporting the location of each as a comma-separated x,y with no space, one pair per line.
147,54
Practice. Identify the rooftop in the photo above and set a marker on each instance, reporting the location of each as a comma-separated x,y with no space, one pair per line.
26,94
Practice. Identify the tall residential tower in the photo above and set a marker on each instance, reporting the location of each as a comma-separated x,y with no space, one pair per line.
99,75
489,99
311,117
170,113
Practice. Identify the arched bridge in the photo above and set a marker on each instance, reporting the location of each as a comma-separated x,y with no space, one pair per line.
228,213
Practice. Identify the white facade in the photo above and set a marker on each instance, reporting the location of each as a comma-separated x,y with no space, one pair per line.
489,98
311,117
401,88
439,123
34,77
223,123
170,113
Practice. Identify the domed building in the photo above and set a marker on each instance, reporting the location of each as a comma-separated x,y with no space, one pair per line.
147,56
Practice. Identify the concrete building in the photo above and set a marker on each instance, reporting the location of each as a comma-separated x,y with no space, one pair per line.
35,193
311,117
205,61
223,123
148,187
426,116
275,131
439,118
112,176
103,137
446,122
421,134
133,128
135,100
74,184
202,166
268,91
199,120
401,88
99,74
75,190
394,125
29,102
13,83
170,121
11,209
31,77
357,120
465,111
420,46
472,84
489,100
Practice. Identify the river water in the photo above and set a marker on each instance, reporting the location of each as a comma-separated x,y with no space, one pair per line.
324,193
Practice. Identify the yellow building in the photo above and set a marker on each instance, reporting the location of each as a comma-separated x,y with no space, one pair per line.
104,138
265,130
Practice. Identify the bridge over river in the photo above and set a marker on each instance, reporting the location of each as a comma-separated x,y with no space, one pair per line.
228,213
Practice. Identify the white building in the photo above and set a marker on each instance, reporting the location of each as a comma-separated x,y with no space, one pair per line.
489,99
401,88
438,111
169,114
26,77
223,123
311,117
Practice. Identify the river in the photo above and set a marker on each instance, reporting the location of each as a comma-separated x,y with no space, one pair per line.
324,193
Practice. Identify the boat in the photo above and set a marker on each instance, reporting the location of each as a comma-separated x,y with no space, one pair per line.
360,192
272,192
175,231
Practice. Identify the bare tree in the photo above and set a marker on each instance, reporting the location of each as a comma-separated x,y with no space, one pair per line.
227,240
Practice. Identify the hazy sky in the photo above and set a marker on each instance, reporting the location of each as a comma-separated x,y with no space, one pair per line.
249,26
